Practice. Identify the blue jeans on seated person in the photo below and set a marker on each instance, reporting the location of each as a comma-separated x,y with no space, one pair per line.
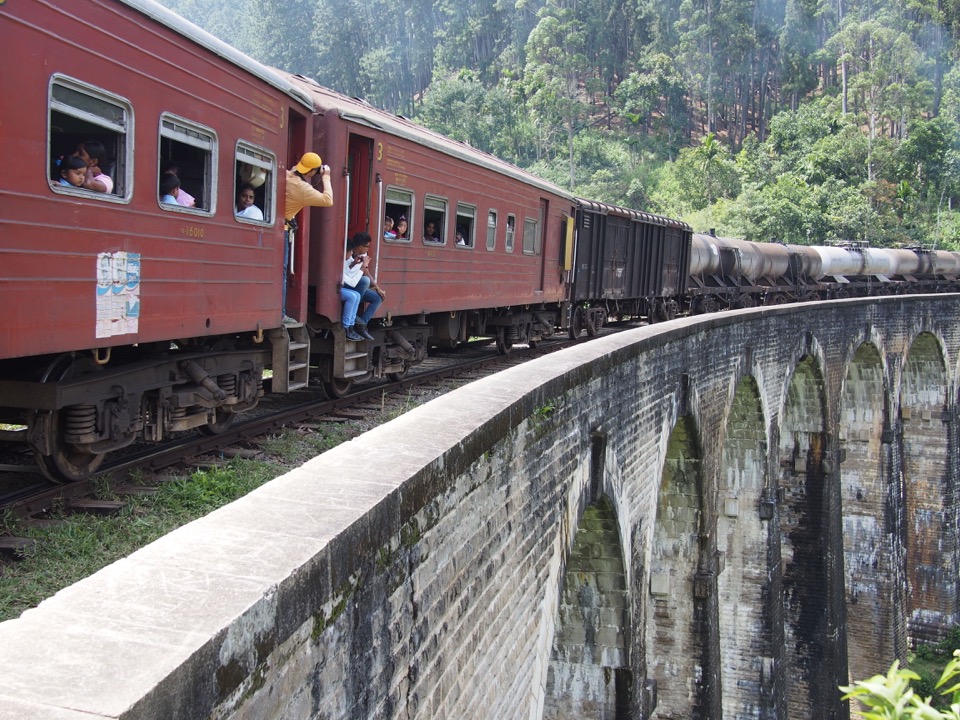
370,297
351,303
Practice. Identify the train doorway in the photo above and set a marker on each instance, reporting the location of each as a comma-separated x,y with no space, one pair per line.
359,165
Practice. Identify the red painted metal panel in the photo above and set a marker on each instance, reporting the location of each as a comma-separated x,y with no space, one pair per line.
199,275
417,277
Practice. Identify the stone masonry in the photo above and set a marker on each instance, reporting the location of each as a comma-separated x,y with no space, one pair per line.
717,517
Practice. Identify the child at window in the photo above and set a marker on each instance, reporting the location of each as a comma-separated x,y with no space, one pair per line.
94,154
169,189
73,171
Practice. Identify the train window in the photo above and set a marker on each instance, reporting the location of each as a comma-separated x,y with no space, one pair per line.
529,236
511,232
434,220
89,122
399,207
492,230
466,225
189,151
254,188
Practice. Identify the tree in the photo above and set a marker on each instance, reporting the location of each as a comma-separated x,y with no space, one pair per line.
556,64
891,697
706,173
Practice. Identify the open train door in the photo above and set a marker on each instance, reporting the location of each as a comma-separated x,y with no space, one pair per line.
299,250
360,215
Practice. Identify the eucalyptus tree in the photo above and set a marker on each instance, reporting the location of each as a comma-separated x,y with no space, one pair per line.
461,107
556,65
884,67
279,32
653,98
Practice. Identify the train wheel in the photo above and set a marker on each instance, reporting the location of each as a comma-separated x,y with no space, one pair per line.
504,344
223,423
398,376
576,324
67,462
595,324
338,388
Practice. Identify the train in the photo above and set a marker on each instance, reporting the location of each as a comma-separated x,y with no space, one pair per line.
127,318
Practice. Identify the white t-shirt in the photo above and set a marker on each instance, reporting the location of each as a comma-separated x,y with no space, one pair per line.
352,275
251,213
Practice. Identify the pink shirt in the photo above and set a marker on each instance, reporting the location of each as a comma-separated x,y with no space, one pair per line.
107,182
185,198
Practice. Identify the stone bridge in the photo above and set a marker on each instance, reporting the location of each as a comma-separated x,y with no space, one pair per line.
717,517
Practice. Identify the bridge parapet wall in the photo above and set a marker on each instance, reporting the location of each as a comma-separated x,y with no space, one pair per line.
418,570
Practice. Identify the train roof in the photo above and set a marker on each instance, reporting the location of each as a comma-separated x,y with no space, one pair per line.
363,113
201,37
607,209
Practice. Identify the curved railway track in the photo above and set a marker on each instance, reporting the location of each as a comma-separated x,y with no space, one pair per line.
25,493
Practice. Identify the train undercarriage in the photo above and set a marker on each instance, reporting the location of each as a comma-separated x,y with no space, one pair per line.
75,408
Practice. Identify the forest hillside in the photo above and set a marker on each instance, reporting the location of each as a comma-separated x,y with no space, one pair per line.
795,120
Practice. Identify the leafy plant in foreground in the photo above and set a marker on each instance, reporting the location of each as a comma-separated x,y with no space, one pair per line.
891,697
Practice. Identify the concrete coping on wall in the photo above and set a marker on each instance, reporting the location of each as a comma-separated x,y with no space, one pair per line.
147,635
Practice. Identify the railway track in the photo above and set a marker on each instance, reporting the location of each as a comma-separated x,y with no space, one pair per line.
25,493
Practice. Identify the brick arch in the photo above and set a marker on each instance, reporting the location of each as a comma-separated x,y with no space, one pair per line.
865,487
674,613
745,643
803,539
927,522
589,672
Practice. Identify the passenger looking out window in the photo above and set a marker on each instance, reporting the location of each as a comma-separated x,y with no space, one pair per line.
91,124
184,199
430,232
94,154
466,221
169,189
73,171
254,169
388,231
399,206
245,204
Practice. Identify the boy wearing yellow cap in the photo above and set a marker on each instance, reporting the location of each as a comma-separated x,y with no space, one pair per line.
300,194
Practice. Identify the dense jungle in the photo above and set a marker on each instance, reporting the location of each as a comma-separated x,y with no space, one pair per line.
803,121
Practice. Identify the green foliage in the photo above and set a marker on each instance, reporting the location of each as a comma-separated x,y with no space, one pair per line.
800,121
893,697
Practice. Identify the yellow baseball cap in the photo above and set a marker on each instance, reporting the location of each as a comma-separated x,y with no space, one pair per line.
309,161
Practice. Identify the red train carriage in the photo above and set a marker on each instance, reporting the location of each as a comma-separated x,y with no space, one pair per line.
504,277
125,316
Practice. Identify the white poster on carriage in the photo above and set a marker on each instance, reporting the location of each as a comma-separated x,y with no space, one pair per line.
118,293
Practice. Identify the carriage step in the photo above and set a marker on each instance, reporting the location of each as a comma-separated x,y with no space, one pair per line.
291,358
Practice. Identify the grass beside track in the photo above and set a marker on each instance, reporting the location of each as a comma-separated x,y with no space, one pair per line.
78,545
